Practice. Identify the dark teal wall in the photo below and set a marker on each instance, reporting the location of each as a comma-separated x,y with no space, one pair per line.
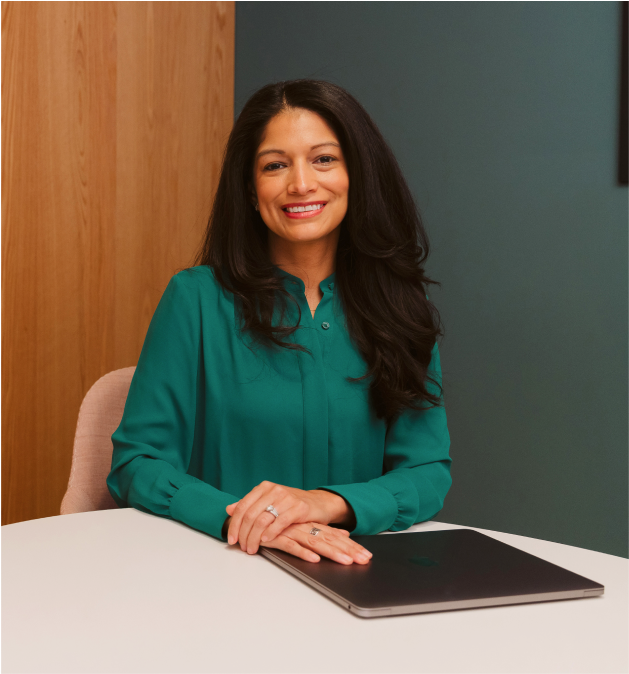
503,116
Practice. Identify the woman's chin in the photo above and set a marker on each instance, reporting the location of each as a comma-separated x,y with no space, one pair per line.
304,232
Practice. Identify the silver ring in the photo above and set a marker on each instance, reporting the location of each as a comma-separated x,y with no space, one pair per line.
271,509
314,531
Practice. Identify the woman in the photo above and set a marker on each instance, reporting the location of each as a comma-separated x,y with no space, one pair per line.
288,390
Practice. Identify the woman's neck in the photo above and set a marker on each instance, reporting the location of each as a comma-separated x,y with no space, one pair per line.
311,261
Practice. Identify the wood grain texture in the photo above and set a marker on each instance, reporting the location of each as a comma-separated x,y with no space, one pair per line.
114,120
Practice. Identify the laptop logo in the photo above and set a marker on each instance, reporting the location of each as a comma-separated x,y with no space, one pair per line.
423,561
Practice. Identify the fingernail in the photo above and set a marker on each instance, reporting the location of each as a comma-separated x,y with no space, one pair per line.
346,558
363,558
230,540
264,538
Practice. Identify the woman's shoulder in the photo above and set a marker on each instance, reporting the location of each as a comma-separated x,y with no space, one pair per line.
195,278
198,285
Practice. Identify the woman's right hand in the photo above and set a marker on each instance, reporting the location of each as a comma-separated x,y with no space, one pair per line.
330,542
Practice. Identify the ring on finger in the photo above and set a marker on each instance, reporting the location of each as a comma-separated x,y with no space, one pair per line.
314,531
246,529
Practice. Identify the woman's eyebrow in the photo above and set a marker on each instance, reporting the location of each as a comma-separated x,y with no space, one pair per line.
282,151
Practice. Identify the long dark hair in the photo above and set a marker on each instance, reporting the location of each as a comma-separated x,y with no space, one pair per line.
379,260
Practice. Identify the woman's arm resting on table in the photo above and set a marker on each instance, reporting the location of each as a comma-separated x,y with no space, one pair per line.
153,443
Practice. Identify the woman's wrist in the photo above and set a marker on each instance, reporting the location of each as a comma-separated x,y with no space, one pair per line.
338,510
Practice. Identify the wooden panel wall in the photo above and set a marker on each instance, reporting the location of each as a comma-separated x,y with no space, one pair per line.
114,120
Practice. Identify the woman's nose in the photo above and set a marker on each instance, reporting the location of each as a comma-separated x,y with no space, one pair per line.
302,179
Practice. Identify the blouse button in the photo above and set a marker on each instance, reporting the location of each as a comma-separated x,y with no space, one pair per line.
325,325
330,285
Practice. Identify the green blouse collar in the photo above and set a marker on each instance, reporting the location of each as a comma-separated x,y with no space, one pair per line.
327,285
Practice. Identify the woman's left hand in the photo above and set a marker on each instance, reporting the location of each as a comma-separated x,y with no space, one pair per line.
250,522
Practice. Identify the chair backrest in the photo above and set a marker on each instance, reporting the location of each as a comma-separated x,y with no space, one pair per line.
99,416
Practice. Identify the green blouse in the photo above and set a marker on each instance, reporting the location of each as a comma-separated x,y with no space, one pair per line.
207,418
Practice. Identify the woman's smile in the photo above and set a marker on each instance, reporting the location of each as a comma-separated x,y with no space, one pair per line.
305,210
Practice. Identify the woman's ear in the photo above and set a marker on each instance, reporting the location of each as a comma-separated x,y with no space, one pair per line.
253,196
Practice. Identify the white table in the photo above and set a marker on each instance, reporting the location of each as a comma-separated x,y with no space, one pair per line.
123,591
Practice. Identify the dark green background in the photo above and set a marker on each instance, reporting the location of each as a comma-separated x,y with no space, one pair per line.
504,118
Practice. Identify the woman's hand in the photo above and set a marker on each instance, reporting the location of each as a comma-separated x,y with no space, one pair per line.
335,544
252,525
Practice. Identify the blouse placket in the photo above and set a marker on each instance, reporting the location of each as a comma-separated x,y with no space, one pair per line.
315,334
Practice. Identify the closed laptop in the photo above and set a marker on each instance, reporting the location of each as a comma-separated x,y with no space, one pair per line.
420,572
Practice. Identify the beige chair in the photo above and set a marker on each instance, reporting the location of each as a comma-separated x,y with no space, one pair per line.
99,416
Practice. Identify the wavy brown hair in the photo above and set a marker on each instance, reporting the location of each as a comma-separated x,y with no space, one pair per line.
382,248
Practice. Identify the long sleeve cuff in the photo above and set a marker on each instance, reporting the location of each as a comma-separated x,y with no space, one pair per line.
374,507
202,507
396,500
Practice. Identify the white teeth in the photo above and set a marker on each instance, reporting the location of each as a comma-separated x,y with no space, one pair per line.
302,209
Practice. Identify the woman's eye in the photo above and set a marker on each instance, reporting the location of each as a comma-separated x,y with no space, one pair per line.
327,157
269,166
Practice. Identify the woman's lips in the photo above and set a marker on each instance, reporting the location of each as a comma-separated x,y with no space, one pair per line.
305,214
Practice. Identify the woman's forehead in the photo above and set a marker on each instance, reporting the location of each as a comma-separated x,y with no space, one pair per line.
296,129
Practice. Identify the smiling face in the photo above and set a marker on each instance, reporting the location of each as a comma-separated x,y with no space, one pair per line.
298,164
